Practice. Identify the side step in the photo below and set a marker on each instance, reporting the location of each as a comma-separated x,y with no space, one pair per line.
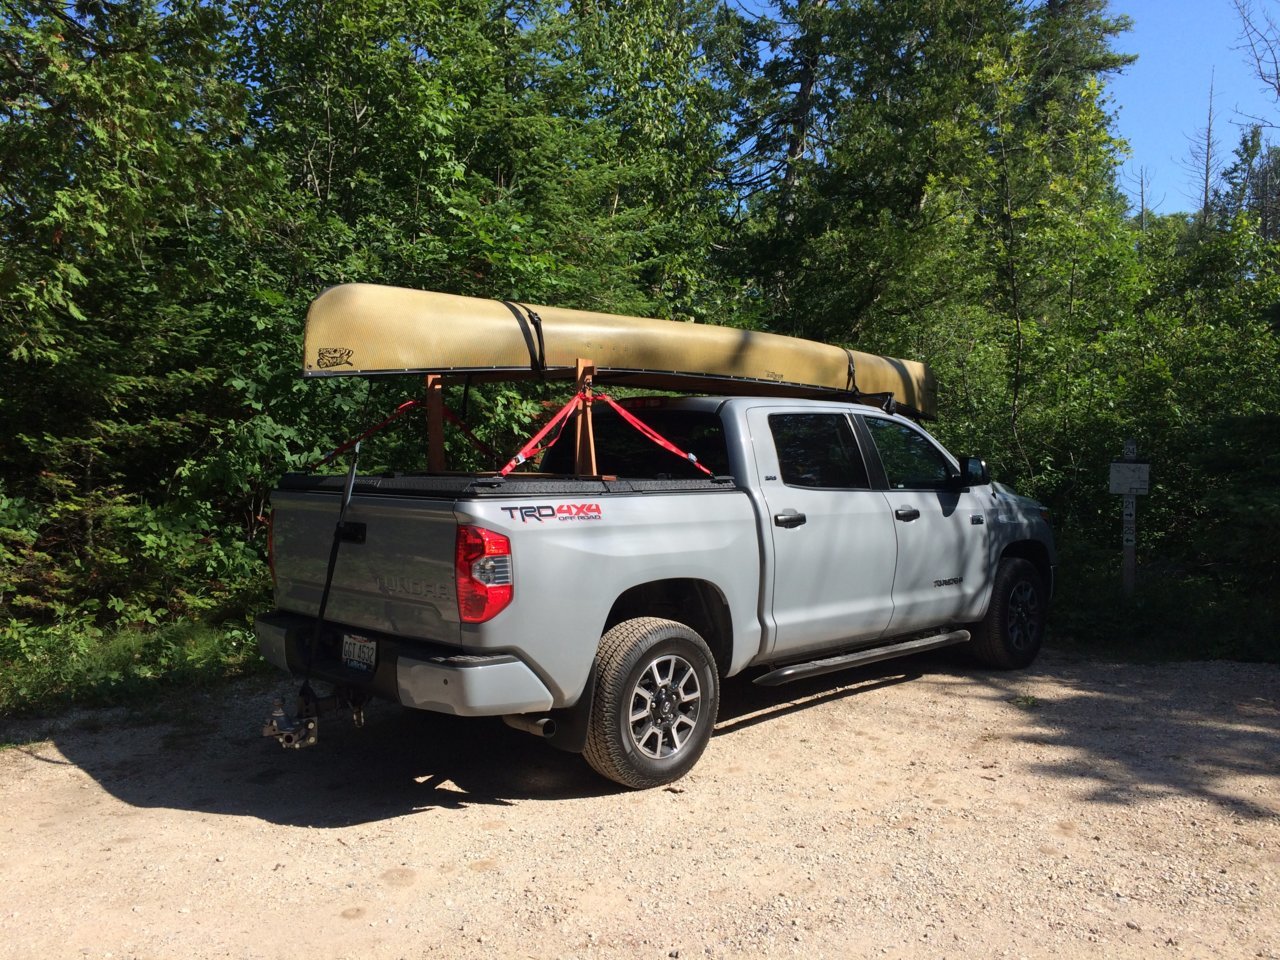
815,668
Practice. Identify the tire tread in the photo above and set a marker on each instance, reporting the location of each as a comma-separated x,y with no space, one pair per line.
988,644
615,661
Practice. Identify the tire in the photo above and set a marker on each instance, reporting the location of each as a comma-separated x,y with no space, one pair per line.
657,692
1010,635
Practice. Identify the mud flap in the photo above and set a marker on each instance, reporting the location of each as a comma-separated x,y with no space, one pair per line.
572,722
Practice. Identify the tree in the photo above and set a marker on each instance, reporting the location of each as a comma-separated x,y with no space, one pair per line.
1260,32
122,154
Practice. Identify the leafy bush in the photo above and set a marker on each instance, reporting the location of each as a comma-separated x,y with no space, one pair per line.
74,660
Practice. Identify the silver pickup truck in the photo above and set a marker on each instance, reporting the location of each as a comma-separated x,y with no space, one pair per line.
602,614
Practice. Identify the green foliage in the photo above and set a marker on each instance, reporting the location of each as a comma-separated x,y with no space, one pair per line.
1238,510
1182,609
75,660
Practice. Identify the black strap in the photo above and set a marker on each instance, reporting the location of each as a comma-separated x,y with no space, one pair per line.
887,402
531,330
333,563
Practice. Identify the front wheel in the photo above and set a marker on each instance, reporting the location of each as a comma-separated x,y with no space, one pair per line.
1010,635
656,698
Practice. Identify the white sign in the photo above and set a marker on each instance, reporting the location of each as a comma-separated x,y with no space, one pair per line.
1130,478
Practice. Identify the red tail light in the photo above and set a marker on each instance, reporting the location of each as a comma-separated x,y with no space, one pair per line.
482,570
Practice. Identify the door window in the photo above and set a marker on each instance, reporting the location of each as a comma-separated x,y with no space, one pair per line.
818,450
910,461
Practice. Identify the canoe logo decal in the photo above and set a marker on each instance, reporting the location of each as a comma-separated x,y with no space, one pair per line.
330,357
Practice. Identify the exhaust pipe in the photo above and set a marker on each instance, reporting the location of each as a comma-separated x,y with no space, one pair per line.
543,727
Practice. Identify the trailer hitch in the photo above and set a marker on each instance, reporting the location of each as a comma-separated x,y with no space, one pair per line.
303,728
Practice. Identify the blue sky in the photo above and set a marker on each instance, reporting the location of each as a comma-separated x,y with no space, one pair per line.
1162,101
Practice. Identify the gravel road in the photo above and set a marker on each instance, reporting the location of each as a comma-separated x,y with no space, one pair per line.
915,809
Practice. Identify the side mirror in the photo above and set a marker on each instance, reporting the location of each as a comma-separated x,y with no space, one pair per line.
973,472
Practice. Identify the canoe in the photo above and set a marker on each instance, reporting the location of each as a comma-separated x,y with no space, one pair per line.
368,329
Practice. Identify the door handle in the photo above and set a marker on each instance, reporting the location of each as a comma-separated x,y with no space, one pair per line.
906,514
788,519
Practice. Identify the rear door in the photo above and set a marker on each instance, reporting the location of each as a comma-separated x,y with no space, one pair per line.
941,530
833,537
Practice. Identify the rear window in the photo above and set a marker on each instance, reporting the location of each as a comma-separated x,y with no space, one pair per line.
622,451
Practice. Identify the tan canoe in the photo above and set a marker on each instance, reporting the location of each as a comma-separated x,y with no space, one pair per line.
364,329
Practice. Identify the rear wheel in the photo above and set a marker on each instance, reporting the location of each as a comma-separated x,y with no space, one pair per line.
1010,635
656,698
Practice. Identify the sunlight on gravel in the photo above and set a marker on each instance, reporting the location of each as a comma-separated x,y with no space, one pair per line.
920,809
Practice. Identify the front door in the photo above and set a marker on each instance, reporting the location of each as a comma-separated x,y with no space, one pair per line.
941,531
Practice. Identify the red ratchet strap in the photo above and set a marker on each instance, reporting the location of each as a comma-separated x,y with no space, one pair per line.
651,433
531,449
396,414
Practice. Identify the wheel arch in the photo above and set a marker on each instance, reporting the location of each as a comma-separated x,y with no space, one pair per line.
1035,553
698,604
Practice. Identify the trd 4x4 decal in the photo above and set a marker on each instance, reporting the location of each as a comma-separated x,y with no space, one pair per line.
563,511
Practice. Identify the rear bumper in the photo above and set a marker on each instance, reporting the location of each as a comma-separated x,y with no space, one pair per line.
417,674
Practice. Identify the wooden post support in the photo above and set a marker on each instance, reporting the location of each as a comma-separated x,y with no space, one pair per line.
584,434
435,423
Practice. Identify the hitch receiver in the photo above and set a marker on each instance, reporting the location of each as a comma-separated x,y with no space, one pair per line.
292,733
303,730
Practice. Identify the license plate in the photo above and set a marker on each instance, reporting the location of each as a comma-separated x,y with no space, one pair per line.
359,653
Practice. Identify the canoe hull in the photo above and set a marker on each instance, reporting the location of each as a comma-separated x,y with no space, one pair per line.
367,329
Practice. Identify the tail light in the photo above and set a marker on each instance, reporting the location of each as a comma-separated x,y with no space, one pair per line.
482,570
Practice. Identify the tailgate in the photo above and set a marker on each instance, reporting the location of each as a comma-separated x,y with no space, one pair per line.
399,580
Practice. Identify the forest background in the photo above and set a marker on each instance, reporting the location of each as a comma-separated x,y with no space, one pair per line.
934,179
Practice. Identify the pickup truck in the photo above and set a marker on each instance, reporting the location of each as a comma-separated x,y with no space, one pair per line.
603,614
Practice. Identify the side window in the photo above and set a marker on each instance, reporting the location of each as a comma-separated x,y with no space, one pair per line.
818,450
910,461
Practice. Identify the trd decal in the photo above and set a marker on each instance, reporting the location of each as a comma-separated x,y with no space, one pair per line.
575,511
564,511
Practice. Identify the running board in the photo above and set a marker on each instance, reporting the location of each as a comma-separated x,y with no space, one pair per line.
815,668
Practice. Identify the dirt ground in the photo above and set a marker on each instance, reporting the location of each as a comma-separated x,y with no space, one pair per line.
915,809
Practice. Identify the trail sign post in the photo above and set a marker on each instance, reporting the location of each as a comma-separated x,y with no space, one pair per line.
1130,478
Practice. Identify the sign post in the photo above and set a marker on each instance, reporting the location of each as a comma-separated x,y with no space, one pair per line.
1130,478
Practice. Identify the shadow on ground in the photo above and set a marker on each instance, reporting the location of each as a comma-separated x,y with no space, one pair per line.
208,756
1120,731
401,762
1128,732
